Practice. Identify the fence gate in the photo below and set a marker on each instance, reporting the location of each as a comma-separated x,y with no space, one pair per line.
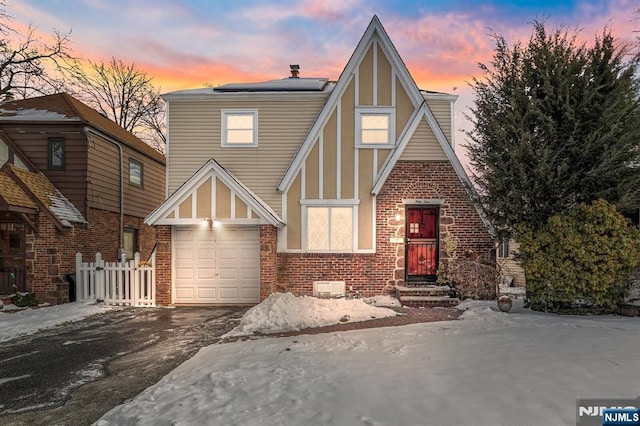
130,282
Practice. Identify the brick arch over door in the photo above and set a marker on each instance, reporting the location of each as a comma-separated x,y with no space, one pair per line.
427,180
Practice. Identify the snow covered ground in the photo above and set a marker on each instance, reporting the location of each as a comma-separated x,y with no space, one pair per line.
490,368
15,322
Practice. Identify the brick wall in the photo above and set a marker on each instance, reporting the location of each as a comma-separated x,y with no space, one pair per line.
268,260
458,215
373,274
50,253
163,264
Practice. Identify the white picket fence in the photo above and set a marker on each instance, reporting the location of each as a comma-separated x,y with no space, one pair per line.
117,283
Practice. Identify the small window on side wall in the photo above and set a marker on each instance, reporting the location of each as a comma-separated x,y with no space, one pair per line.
503,248
56,154
239,128
130,242
135,173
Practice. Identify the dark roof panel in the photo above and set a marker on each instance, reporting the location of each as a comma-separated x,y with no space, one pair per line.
282,85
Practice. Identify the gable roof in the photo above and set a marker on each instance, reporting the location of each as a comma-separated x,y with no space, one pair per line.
46,196
12,197
209,168
376,31
62,107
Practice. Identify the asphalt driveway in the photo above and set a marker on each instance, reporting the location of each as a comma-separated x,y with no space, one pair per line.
75,373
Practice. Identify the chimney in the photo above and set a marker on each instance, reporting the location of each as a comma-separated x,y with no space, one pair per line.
295,70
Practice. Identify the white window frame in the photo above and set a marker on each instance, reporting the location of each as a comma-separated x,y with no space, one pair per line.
386,111
245,112
329,204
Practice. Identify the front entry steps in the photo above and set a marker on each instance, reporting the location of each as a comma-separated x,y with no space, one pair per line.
426,296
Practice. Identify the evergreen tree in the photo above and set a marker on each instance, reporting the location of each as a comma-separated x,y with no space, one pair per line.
557,123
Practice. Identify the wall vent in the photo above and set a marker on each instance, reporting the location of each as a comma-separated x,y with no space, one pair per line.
327,289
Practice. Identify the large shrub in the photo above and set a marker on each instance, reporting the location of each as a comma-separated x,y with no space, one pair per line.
471,276
580,260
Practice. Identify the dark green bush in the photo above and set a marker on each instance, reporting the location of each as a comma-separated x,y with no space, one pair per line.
23,300
580,260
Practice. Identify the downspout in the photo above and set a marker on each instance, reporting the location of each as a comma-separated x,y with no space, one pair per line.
87,131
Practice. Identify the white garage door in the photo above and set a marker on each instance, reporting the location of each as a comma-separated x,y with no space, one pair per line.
217,265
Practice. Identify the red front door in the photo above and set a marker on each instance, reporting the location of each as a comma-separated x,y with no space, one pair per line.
421,243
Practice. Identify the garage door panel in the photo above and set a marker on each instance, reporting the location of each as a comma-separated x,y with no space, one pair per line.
250,293
184,235
184,253
229,293
217,266
206,254
228,253
185,293
228,274
205,293
250,273
206,273
184,273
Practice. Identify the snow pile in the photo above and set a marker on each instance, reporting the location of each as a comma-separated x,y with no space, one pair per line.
491,368
281,312
388,301
29,321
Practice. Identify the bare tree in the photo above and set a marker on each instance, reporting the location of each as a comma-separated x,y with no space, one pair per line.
126,95
28,65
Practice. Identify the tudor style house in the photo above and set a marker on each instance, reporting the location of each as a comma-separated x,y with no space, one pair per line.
312,186
71,181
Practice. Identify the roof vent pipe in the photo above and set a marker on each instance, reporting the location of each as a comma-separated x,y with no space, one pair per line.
295,70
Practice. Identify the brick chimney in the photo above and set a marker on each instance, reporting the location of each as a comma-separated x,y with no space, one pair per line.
295,70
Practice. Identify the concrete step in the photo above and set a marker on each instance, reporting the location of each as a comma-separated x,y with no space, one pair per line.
429,290
428,301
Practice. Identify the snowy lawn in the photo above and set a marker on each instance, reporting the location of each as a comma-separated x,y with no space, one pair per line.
489,368
14,322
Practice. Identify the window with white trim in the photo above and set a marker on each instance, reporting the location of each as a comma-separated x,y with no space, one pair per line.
375,127
503,248
330,228
240,128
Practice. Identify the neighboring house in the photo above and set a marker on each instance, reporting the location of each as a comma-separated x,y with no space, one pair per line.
71,181
510,268
305,185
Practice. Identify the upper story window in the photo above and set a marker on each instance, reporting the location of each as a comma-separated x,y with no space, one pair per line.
239,128
375,127
135,172
56,153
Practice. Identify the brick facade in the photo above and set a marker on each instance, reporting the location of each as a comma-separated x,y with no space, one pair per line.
163,265
374,274
369,274
50,254
268,260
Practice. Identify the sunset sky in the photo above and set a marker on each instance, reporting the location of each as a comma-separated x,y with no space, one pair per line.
187,44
